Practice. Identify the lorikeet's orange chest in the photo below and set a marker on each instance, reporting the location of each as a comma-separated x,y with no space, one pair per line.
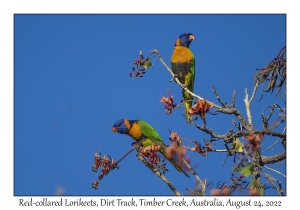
135,131
182,54
181,62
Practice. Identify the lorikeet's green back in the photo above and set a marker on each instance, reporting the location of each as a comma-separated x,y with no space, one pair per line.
149,131
140,130
183,66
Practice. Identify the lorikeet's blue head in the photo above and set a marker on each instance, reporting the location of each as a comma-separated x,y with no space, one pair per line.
185,39
121,126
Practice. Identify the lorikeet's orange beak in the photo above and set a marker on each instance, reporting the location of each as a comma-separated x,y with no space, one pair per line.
191,38
114,129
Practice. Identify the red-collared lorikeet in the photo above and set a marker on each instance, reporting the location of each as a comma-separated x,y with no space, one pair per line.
141,131
183,66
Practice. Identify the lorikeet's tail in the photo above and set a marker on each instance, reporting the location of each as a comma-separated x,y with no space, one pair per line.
187,104
174,163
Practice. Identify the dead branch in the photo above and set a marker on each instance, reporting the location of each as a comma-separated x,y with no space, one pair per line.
247,104
233,99
231,110
271,169
230,135
273,159
276,69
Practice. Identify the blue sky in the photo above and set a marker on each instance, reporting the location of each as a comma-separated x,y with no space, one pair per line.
71,83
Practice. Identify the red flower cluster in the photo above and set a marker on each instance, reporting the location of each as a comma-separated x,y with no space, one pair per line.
209,146
107,165
169,103
203,151
141,64
151,153
175,138
201,107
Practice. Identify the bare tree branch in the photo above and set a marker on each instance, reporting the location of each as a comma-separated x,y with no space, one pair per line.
254,91
218,97
273,159
247,103
231,110
233,99
230,135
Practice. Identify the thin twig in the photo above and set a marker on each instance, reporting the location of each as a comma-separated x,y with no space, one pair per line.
161,176
275,171
188,148
270,179
225,161
218,97
233,99
225,150
275,141
266,119
210,132
203,184
280,119
116,164
185,139
254,91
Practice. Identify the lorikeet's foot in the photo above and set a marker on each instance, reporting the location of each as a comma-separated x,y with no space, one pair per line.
137,146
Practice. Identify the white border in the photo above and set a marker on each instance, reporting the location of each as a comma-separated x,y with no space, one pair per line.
10,7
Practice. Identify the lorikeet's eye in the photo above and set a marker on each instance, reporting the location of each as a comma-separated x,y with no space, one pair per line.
184,34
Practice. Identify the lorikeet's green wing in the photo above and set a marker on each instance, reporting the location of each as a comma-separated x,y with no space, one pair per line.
154,138
190,86
189,81
149,131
